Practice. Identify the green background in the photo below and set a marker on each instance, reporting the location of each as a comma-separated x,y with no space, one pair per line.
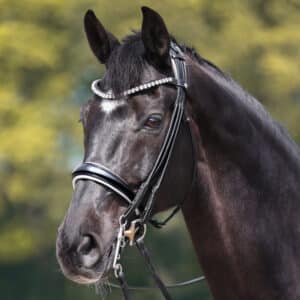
45,72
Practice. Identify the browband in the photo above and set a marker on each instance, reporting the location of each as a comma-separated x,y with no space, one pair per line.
110,96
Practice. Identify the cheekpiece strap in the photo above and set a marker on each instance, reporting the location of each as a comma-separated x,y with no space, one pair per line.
146,193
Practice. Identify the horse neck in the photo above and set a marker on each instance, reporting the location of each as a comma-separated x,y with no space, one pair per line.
244,209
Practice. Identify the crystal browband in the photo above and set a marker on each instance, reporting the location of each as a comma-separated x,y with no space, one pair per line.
109,95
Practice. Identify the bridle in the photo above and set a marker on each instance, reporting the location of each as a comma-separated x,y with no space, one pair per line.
140,204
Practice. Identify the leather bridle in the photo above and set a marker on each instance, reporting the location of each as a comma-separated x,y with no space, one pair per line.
140,204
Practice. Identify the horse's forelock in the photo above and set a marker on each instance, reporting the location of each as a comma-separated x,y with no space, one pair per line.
126,64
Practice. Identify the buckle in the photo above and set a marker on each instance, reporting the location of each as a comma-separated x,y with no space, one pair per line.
176,52
136,231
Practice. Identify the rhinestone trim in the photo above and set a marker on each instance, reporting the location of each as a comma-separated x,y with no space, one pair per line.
110,96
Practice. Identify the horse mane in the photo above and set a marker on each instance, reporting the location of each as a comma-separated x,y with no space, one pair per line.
128,61
276,130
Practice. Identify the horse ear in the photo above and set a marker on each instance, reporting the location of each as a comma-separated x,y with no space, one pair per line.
155,35
101,41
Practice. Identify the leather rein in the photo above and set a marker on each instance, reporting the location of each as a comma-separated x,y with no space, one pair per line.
133,223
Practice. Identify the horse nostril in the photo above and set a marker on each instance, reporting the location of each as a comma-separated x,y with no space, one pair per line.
88,251
86,245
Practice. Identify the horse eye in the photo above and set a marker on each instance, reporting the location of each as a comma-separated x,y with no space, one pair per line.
153,122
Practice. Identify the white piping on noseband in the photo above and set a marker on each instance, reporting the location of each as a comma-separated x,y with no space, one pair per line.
102,182
109,95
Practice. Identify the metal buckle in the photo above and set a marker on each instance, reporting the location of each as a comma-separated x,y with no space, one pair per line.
135,227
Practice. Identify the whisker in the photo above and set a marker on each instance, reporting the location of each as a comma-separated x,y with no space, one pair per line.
102,288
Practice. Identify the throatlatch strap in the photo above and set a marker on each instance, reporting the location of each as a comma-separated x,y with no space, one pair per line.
161,224
144,252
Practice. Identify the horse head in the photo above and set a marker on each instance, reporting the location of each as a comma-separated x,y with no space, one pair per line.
123,135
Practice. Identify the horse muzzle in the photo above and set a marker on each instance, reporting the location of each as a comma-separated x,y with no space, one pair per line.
82,260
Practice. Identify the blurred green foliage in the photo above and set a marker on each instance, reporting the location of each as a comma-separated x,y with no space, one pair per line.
46,69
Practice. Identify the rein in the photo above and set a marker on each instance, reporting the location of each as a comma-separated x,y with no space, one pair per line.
133,223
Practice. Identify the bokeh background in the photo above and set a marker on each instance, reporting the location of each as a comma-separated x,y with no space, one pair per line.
46,69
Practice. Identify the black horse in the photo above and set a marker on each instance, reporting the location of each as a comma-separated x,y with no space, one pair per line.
234,170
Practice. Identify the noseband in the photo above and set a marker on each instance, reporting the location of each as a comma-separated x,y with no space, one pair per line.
133,221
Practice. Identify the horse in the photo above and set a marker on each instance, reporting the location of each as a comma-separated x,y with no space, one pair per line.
233,170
